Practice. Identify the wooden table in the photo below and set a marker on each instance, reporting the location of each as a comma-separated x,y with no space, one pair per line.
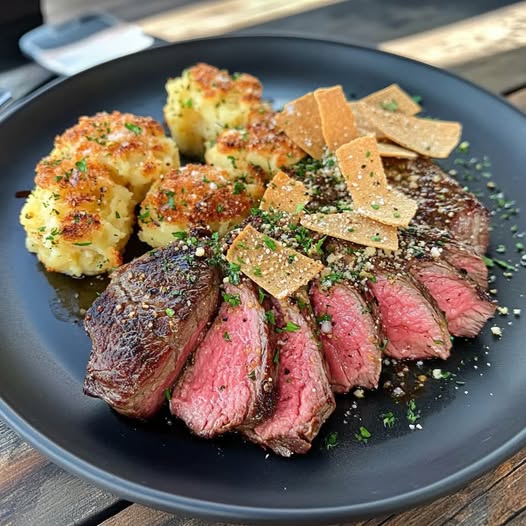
484,45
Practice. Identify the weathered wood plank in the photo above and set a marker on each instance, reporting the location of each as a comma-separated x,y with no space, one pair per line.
33,490
503,490
499,73
518,98
211,18
438,513
477,37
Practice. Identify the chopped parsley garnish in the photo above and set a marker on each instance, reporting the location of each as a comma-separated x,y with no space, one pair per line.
412,413
290,327
117,215
233,273
82,166
270,317
232,160
144,216
390,106
189,103
169,312
133,128
167,394
226,337
375,206
232,299
269,242
180,235
488,262
376,238
417,98
239,187
261,295
324,317
388,419
83,244
220,208
257,271
276,357
363,435
331,440
383,344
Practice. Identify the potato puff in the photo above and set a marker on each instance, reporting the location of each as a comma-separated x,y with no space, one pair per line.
205,100
134,147
77,219
192,196
260,144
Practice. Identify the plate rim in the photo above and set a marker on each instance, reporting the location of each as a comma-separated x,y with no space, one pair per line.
234,513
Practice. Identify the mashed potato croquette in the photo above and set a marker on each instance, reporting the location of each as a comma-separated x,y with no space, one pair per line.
193,196
77,219
134,147
260,144
205,100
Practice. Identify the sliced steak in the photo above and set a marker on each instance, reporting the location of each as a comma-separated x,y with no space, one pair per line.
349,336
231,380
466,260
304,396
417,241
442,202
466,306
412,323
144,326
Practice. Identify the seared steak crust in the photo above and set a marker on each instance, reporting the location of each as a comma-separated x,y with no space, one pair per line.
442,202
144,326
304,396
231,379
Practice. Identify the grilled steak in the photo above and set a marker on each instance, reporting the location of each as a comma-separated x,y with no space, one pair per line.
304,397
442,202
412,323
466,306
144,326
418,241
231,380
349,336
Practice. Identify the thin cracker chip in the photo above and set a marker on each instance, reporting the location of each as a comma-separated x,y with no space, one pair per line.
274,267
353,227
285,194
425,136
363,126
301,122
337,118
361,165
388,149
393,98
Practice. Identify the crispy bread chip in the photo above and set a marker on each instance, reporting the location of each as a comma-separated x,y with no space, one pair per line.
361,165
337,119
274,267
353,227
393,98
285,194
388,149
363,125
300,120
424,136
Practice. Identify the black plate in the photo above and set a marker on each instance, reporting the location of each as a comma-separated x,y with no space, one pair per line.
467,427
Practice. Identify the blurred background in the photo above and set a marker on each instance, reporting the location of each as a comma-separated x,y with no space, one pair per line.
447,33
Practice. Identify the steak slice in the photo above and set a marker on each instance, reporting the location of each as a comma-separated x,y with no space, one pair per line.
442,202
349,336
231,380
466,260
417,241
466,306
144,326
412,323
304,396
